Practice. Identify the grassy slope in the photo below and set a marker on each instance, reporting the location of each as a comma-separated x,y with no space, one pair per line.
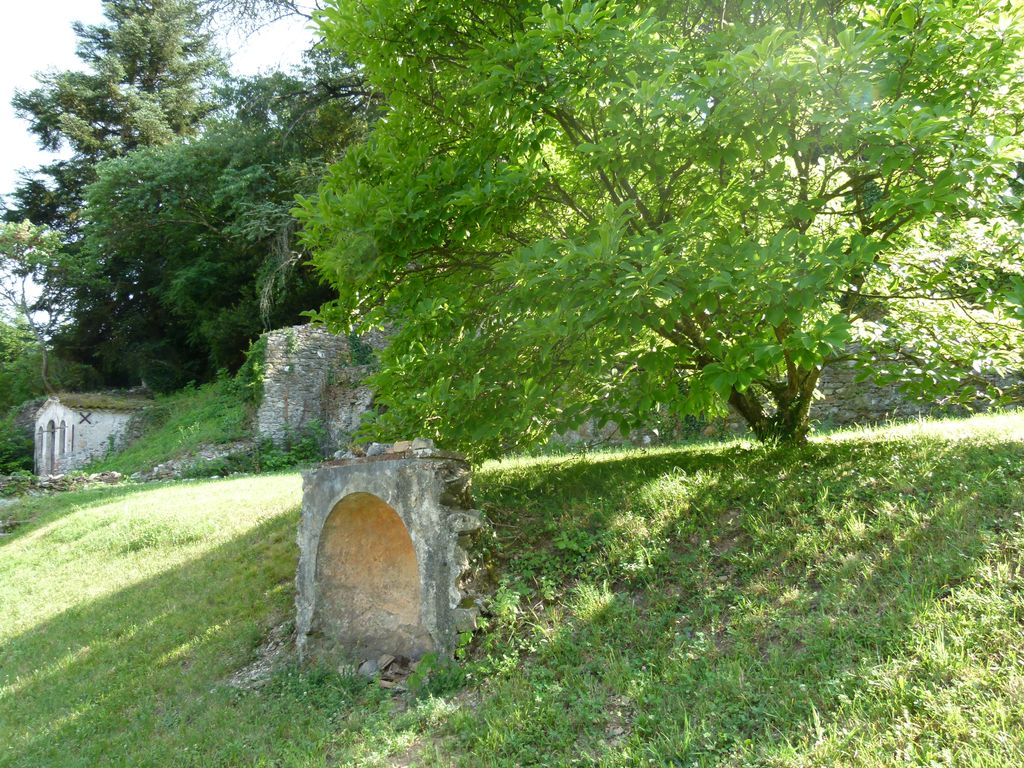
857,602
180,423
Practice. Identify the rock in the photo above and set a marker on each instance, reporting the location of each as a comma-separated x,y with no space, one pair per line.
376,449
464,521
465,619
422,443
401,446
385,661
369,668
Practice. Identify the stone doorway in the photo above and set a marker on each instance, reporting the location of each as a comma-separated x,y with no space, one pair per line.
368,582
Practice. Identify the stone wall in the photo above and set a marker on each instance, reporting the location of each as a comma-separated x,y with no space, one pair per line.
843,400
311,375
846,401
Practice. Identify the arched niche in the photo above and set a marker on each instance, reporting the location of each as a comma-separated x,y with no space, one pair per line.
62,439
382,564
368,584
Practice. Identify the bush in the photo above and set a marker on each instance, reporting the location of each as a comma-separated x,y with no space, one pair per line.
248,382
16,448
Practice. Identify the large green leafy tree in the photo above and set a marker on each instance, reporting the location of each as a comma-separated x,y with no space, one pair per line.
31,311
610,208
191,242
145,83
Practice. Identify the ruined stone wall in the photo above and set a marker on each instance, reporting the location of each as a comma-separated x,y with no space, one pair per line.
311,375
842,401
846,401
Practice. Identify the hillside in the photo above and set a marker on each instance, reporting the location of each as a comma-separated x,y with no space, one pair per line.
854,602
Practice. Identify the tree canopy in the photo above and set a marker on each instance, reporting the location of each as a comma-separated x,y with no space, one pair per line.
604,209
36,275
147,81
190,244
173,209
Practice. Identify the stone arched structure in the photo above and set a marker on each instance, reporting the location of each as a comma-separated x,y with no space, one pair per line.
381,557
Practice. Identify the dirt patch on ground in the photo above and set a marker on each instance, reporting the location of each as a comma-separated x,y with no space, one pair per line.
620,720
258,672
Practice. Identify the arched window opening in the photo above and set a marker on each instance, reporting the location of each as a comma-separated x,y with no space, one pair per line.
62,445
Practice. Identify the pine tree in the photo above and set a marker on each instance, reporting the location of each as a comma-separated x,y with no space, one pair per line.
145,84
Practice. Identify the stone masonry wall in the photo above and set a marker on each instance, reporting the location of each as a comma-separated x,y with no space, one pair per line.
846,401
310,375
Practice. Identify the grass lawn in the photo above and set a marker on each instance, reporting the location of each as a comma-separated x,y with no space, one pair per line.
859,601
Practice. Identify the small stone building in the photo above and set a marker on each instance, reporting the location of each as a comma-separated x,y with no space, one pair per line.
73,429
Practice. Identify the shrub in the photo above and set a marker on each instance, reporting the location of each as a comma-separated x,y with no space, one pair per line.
16,449
248,382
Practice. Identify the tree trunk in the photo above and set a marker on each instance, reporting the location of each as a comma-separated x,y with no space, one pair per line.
45,372
787,423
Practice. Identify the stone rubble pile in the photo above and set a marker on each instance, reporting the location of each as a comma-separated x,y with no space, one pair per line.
31,484
418,447
175,469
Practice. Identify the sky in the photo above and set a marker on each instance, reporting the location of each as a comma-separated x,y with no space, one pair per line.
35,37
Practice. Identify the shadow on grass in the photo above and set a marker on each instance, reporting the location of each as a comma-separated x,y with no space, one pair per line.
137,677
706,604
758,609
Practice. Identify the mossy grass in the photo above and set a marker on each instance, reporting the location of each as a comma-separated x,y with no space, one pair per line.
856,601
103,401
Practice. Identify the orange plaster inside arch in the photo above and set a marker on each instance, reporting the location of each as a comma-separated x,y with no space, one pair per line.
368,585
